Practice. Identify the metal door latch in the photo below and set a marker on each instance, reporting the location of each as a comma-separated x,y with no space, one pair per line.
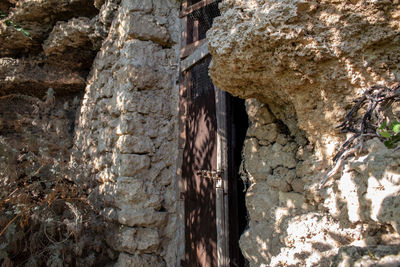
210,174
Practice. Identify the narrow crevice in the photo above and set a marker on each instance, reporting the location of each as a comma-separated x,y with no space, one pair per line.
239,215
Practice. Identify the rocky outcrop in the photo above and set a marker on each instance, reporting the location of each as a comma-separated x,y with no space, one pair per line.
50,44
307,59
33,77
39,17
293,222
301,64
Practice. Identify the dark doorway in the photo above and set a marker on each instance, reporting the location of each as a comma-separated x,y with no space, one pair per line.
237,125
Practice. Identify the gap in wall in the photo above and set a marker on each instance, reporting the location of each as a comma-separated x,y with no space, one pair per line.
238,218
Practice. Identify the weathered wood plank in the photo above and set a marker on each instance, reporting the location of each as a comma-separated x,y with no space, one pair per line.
189,49
222,191
197,55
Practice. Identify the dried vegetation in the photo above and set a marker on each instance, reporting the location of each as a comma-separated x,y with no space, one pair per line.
45,216
374,109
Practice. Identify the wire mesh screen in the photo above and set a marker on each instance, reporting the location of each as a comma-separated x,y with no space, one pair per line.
200,82
202,19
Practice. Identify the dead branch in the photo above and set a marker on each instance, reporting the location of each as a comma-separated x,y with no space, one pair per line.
9,223
376,99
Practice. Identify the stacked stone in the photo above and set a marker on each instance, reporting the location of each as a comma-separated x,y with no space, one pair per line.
127,131
290,222
271,157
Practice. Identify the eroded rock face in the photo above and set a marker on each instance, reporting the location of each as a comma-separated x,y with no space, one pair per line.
57,50
306,59
293,222
301,64
39,17
33,77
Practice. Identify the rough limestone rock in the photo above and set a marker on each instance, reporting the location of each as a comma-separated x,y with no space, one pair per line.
40,94
135,240
147,27
300,65
73,34
311,239
374,256
306,59
39,17
33,77
369,188
139,260
65,36
293,222
115,64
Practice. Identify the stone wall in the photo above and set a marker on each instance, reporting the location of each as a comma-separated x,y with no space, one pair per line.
110,112
127,134
301,64
42,78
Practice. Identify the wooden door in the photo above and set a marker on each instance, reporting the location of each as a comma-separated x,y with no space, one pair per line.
200,157
205,243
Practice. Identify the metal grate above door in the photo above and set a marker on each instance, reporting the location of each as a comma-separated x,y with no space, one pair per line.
200,21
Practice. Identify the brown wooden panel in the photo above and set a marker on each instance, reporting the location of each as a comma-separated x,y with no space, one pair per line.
189,49
200,153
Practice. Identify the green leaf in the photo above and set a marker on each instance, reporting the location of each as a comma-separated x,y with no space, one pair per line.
18,28
385,134
8,22
388,144
383,126
393,124
396,128
26,33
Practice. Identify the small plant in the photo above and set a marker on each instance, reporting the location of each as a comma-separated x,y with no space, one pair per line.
16,26
391,133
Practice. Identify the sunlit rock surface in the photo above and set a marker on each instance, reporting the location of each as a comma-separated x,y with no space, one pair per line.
306,59
301,64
